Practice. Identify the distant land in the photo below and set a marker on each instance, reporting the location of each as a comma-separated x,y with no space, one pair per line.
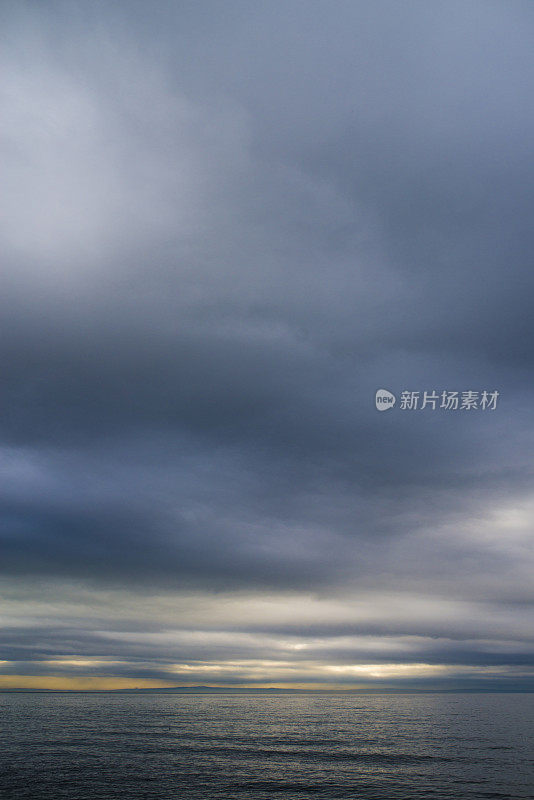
268,691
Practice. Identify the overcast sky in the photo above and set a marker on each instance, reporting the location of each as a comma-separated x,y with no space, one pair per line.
225,226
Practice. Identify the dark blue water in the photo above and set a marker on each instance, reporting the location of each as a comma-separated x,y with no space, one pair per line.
253,747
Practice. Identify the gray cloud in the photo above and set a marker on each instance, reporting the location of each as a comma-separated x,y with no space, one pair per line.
225,229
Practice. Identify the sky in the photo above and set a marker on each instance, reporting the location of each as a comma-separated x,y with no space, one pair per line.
225,227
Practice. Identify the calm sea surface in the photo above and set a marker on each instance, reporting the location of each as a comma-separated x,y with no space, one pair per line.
253,747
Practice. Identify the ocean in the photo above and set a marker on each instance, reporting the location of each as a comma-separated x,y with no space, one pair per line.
259,747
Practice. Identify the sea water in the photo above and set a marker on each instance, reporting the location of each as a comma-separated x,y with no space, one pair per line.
265,747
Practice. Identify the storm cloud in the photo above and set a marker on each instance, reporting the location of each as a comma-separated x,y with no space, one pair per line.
225,227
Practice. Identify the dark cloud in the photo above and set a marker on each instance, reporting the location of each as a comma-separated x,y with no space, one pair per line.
227,226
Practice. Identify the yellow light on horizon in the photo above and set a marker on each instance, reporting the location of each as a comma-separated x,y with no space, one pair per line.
82,683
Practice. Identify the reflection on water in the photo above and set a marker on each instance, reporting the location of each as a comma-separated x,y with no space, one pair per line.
256,747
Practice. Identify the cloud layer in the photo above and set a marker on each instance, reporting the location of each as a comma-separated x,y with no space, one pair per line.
225,228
